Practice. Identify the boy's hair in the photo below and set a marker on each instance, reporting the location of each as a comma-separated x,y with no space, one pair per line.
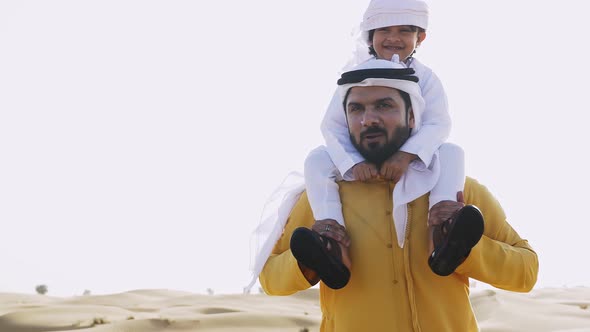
372,32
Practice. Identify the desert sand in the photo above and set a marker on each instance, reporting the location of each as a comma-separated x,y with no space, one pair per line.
548,309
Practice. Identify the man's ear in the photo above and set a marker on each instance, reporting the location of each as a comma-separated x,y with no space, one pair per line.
421,37
411,120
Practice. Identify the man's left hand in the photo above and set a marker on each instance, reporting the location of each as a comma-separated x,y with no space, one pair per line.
444,210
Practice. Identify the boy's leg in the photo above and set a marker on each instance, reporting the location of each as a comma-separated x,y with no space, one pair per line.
452,174
452,235
329,258
320,175
450,181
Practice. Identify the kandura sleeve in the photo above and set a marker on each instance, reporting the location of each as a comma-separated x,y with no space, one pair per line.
501,258
281,274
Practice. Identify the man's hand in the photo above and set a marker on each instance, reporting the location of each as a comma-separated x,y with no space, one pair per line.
364,171
396,165
443,210
332,229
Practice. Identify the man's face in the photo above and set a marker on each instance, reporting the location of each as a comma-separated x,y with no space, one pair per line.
397,39
377,121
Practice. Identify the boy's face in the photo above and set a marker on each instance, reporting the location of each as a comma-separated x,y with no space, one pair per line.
397,39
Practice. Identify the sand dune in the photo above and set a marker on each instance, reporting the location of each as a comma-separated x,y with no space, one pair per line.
562,309
558,309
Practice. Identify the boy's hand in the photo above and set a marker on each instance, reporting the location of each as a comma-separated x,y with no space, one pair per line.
364,171
396,165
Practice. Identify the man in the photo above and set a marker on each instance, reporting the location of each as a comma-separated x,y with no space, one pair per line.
393,288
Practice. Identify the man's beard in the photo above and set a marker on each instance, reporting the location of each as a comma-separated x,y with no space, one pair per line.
376,153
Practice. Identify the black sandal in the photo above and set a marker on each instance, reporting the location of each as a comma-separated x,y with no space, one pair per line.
311,249
454,239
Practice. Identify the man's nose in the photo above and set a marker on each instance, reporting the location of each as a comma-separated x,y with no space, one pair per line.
370,118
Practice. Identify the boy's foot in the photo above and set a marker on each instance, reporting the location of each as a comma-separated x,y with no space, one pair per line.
321,254
454,239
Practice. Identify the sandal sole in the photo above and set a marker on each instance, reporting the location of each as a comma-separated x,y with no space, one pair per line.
464,234
309,250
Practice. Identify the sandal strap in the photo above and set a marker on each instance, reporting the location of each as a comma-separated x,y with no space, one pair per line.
437,236
441,231
334,249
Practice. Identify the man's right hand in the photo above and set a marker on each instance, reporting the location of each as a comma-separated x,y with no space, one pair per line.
441,212
332,229
364,171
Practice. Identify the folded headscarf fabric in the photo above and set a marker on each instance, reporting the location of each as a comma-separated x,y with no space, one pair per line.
385,13
274,217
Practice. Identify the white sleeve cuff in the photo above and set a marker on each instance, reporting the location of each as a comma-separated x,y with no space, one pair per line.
418,165
329,211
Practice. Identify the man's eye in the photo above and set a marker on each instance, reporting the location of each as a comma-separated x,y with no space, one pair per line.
383,105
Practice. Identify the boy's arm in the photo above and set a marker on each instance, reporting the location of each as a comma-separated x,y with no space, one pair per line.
281,274
435,127
501,258
335,132
436,121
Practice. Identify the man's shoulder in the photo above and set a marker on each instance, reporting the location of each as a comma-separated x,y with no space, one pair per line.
469,181
472,184
475,191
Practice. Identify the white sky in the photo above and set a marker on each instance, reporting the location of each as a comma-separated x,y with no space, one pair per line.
139,140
